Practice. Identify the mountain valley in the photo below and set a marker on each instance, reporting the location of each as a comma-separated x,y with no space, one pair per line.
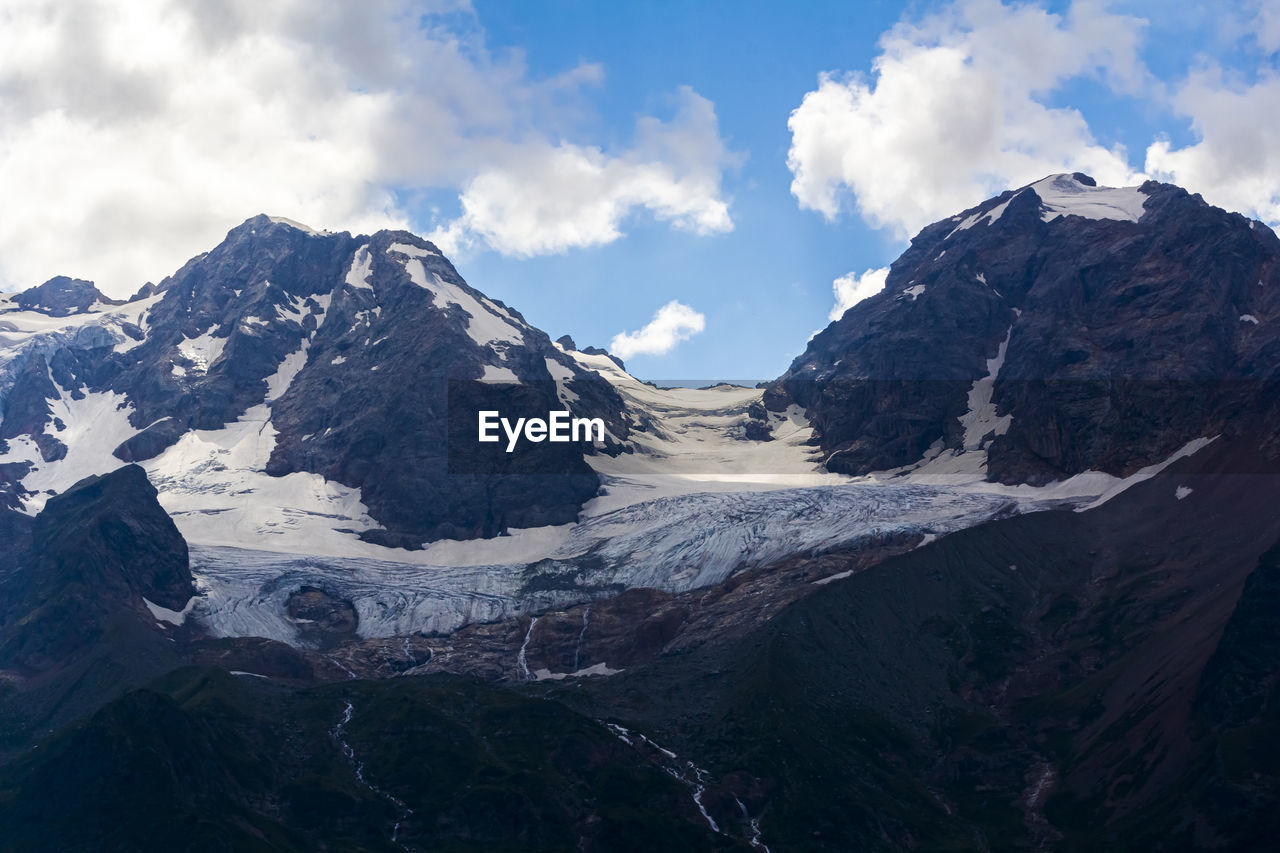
991,566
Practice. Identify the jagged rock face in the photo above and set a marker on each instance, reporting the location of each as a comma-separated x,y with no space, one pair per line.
226,322
15,533
371,408
1121,323
95,551
354,344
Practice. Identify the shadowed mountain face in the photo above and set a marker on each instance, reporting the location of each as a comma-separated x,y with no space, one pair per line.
1082,681
96,550
921,667
76,596
1112,327
211,761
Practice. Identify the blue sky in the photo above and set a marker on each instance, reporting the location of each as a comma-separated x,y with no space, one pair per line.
765,286
590,163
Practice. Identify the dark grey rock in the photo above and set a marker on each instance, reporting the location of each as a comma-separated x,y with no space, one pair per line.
95,551
1125,339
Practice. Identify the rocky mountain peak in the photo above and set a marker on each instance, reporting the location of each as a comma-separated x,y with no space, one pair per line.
342,351
1095,327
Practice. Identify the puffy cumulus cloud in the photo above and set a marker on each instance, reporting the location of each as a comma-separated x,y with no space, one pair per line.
673,323
549,198
850,289
133,135
1235,164
955,110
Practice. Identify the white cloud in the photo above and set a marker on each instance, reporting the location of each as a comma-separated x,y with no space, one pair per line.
955,111
1266,24
134,135
673,323
1235,164
850,289
549,198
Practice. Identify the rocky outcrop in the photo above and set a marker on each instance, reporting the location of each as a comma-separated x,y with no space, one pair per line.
96,551
1120,324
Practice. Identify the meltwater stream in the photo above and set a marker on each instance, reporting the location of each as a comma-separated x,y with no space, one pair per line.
339,734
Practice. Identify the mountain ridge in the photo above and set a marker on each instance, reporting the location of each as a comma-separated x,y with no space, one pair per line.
1088,302
919,656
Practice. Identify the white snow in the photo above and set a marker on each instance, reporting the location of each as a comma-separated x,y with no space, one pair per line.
20,330
561,375
991,216
1063,195
672,543
1248,318
293,223
411,251
164,614
95,426
558,371
696,444
498,374
279,382
214,485
914,291
488,324
361,269
692,505
1150,471
202,351
602,669
293,310
981,418
1182,492
967,466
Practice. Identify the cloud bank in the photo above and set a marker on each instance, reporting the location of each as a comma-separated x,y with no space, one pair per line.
134,135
